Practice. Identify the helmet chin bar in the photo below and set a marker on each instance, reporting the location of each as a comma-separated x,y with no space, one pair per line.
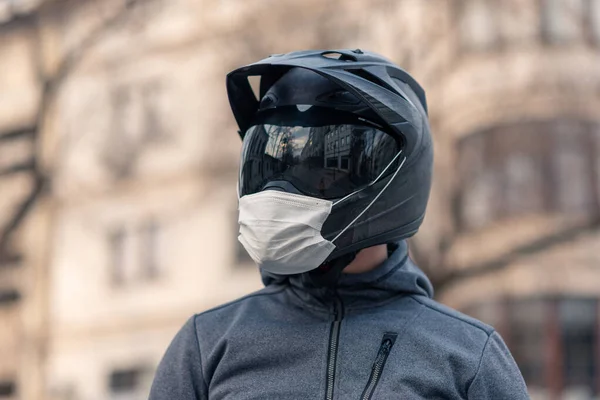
371,203
328,273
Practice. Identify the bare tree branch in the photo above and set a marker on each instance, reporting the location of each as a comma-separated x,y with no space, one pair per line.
50,85
535,247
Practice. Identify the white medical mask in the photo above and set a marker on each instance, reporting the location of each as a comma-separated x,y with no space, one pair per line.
282,231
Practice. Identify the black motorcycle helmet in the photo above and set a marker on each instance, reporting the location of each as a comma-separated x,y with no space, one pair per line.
344,125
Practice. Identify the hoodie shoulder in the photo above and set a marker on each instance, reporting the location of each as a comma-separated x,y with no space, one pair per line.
450,316
267,291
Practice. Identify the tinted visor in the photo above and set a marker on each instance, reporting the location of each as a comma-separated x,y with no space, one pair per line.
327,162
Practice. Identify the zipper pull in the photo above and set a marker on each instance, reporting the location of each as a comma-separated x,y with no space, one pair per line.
384,350
386,347
389,338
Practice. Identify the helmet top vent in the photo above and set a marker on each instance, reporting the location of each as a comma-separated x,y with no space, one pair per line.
336,55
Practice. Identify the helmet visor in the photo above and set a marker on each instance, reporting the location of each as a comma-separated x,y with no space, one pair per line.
327,162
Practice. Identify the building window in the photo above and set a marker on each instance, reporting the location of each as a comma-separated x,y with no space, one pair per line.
527,168
526,330
137,122
9,296
116,242
562,20
134,252
478,26
149,249
10,257
125,380
129,384
345,163
555,342
578,344
7,389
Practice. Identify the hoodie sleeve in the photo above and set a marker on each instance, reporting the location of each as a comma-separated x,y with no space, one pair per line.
498,376
179,374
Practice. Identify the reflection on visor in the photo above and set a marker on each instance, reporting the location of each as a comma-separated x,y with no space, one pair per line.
327,162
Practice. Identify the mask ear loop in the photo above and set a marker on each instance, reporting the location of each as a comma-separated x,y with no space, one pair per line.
374,181
372,201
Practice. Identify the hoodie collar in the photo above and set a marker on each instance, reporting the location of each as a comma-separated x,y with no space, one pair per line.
396,276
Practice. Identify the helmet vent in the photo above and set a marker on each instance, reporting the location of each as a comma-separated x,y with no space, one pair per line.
335,55
254,81
369,77
338,97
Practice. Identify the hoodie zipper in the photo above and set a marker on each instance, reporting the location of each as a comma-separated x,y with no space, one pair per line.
334,337
382,355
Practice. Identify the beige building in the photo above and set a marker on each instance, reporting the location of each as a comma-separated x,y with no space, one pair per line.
118,166
519,141
144,210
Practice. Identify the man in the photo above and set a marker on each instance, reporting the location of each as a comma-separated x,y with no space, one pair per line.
335,175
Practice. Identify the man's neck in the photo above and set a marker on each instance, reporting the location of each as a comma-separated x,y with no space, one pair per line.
367,259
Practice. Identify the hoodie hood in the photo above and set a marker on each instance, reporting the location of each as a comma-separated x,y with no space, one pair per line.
396,276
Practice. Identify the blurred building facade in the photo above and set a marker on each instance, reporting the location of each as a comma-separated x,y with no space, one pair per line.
519,137
118,165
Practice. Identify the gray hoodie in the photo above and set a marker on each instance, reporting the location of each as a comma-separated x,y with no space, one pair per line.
379,335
